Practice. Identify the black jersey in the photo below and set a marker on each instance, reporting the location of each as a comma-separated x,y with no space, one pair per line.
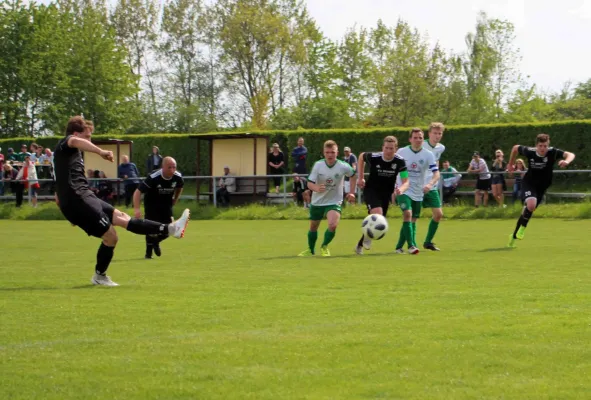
69,174
382,173
158,191
539,171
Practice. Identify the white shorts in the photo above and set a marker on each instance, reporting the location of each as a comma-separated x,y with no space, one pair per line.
347,186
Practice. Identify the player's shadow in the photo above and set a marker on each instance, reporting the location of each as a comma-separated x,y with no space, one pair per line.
496,249
319,256
41,288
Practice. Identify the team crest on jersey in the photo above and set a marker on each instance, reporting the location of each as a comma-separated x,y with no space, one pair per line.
173,185
337,176
421,162
545,159
393,166
378,166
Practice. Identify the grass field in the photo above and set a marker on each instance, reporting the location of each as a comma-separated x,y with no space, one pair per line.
230,313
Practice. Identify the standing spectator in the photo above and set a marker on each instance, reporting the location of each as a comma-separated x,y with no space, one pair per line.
478,166
227,186
1,169
129,173
519,172
300,154
154,160
498,183
451,178
350,159
299,187
28,176
36,155
11,155
9,176
276,163
20,157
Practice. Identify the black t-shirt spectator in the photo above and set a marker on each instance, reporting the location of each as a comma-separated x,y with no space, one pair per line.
276,159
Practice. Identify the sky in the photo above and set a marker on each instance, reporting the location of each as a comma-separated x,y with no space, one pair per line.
554,36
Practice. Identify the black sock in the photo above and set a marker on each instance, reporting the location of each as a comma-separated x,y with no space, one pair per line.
526,216
360,243
146,227
103,258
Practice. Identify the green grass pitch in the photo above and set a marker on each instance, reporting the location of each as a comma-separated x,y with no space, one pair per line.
229,312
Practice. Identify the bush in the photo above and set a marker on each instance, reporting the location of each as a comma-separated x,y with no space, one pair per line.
461,141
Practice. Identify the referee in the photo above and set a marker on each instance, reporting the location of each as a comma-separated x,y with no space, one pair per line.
161,190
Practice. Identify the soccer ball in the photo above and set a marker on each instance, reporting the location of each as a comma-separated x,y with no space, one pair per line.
374,226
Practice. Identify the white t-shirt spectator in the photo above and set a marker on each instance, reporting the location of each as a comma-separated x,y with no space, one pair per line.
482,167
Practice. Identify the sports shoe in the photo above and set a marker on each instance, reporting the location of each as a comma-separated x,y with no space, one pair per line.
399,251
359,250
324,251
103,280
178,227
306,253
520,233
157,250
366,243
426,246
511,241
413,250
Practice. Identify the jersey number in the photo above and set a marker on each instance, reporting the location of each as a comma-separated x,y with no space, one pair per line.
527,194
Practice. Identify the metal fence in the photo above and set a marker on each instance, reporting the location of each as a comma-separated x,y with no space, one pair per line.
209,191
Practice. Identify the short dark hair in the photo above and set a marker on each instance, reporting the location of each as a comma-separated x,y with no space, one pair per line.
542,138
415,130
75,125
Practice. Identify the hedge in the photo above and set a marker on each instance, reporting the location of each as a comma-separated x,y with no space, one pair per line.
461,141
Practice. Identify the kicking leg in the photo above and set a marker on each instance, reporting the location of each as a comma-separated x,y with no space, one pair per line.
366,242
147,227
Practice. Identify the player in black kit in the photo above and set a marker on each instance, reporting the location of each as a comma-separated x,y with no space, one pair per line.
384,167
161,190
538,177
82,208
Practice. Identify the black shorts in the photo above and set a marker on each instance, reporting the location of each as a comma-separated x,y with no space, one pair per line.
483,184
530,189
375,199
90,213
159,215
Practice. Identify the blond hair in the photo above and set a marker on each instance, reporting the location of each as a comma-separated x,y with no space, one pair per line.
391,139
330,144
436,125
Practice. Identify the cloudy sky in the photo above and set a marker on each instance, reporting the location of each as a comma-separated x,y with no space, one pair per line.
554,36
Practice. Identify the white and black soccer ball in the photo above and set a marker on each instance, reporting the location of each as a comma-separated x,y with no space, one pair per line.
374,226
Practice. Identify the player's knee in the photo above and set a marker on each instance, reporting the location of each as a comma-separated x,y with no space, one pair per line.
437,214
332,225
407,215
531,206
110,238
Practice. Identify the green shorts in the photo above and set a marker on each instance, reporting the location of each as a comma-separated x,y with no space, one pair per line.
318,213
432,200
406,203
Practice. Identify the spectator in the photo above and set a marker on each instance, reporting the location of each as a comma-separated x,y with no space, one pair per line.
33,148
28,176
227,186
94,184
519,172
129,173
276,163
450,179
37,154
20,157
105,188
1,169
498,183
299,154
350,159
11,155
47,157
478,166
154,160
299,187
9,176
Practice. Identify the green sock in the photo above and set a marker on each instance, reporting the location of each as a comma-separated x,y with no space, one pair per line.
328,237
407,228
432,230
312,237
414,234
402,237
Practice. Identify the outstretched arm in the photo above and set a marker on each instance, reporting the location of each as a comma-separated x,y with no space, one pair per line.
86,145
568,158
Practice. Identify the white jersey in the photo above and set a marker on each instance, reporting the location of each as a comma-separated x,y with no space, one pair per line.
333,178
417,164
437,152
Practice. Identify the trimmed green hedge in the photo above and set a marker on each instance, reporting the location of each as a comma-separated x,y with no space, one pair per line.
461,141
